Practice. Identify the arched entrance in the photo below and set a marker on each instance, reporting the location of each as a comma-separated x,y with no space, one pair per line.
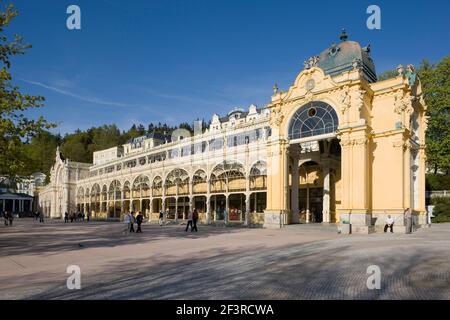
314,163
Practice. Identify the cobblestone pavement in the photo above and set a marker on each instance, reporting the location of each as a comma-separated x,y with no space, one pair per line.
219,263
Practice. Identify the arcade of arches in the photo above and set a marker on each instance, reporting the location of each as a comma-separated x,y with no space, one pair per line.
226,189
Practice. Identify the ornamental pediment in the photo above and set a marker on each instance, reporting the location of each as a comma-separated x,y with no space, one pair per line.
307,83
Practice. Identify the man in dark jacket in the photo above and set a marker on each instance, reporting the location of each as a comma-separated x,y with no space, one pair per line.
194,220
139,220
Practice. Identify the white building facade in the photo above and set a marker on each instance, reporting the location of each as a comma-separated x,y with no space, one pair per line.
221,172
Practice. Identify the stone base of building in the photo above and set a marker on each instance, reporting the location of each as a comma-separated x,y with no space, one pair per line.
361,222
379,221
275,219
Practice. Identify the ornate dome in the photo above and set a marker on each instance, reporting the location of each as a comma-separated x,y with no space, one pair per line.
345,56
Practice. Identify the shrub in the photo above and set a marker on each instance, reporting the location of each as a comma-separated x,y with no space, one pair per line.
441,209
437,182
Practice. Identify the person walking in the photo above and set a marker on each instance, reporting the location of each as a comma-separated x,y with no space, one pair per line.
139,220
194,219
41,217
132,220
88,216
161,218
66,217
189,223
83,216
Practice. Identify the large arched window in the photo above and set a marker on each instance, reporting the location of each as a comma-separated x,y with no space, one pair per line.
313,119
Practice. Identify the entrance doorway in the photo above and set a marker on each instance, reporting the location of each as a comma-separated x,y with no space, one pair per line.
314,173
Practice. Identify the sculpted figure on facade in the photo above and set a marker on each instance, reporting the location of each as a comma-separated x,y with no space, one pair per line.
276,117
359,98
311,62
345,99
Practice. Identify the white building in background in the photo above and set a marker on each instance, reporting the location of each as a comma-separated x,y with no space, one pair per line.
20,196
220,170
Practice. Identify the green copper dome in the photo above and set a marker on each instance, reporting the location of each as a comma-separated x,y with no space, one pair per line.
345,56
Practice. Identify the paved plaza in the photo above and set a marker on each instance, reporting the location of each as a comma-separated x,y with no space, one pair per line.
298,262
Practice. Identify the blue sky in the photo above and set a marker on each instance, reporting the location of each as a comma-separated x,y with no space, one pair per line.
173,61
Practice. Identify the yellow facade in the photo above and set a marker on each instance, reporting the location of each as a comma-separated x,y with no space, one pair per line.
382,137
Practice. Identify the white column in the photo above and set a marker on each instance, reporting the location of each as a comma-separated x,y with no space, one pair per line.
286,187
191,196
227,208
326,193
67,195
307,201
191,203
247,200
131,198
247,209
294,192
208,208
208,200
176,209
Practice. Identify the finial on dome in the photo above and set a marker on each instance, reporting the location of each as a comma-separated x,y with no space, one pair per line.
343,35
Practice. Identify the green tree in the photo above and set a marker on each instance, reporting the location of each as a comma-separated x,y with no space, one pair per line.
435,80
104,137
75,147
41,152
14,125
